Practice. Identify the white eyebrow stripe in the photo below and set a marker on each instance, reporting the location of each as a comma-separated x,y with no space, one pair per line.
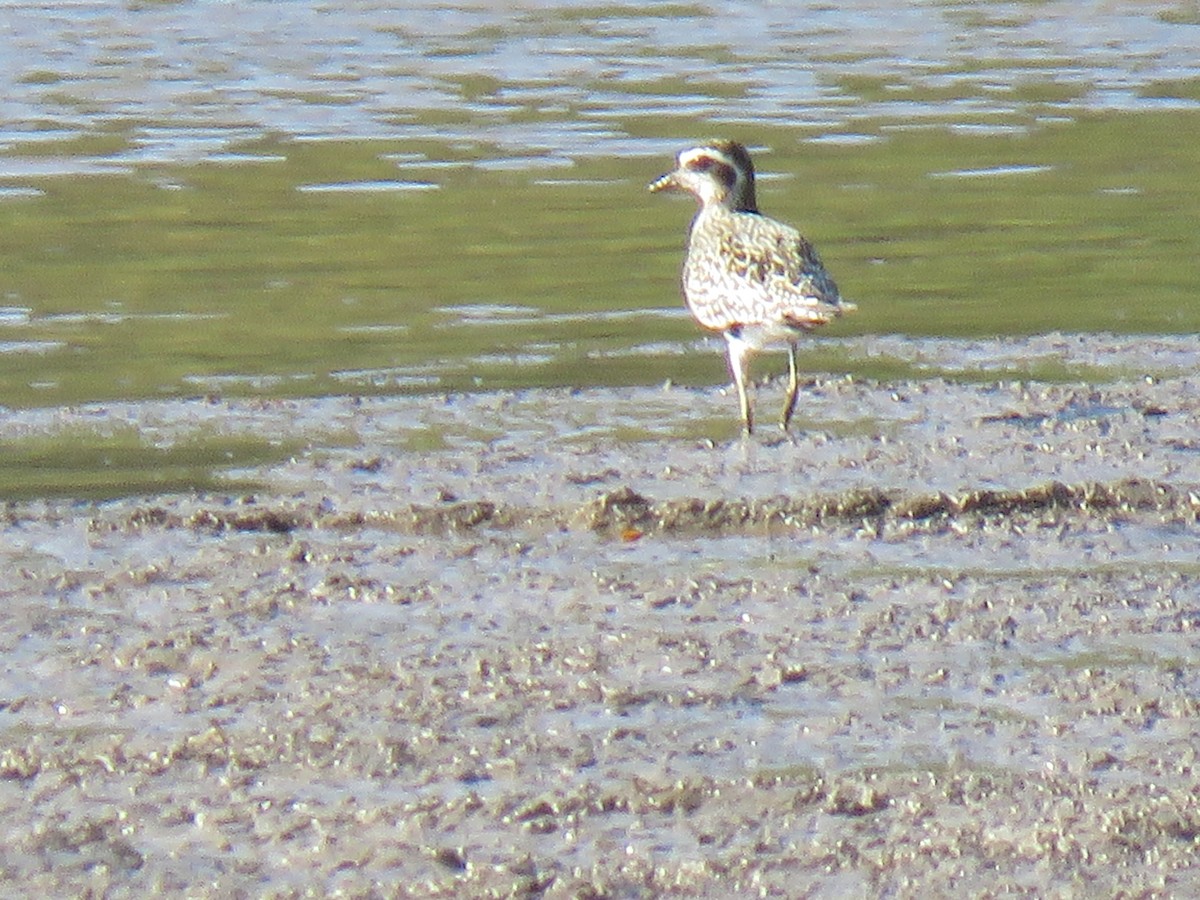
689,156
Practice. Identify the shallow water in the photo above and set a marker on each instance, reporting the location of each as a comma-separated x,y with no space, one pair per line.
307,199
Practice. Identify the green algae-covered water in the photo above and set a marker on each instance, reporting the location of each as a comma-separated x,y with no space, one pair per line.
301,200
319,267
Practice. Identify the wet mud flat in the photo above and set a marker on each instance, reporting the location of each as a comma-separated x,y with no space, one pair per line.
560,643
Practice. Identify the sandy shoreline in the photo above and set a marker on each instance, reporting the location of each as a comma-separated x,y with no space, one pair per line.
560,643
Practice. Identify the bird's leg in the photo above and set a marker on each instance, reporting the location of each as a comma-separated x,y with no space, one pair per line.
739,359
789,402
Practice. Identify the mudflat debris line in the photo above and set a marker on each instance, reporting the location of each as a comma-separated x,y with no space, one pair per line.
623,508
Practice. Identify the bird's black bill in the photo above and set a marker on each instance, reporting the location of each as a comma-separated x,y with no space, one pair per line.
662,183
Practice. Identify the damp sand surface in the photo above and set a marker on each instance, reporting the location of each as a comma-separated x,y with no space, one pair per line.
591,644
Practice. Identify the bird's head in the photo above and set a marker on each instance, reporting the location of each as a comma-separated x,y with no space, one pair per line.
719,172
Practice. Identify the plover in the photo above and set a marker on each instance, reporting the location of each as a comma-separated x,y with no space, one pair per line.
756,281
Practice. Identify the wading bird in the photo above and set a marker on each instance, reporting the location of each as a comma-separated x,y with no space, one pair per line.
755,280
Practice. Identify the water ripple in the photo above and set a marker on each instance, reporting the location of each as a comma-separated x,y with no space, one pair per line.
193,79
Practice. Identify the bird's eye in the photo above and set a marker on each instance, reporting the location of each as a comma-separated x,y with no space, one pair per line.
716,169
